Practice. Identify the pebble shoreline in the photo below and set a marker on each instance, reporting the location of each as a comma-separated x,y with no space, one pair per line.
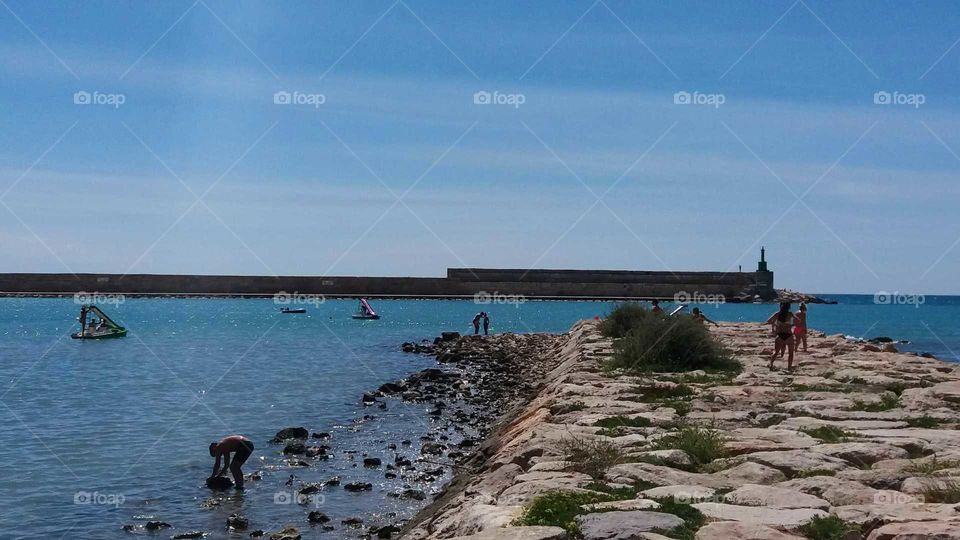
899,454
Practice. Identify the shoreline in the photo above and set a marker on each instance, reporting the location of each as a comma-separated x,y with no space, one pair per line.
856,433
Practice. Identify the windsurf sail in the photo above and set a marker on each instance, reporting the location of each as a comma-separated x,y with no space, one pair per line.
366,309
678,310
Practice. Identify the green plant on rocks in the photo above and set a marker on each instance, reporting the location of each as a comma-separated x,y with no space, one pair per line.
932,466
563,408
652,343
591,456
559,509
703,445
943,491
887,402
827,528
692,518
925,421
828,434
622,421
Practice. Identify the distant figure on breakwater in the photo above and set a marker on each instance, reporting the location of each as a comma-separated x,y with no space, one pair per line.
781,323
476,323
701,318
486,324
656,306
800,328
241,447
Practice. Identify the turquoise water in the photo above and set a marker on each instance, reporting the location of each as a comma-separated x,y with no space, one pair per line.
130,419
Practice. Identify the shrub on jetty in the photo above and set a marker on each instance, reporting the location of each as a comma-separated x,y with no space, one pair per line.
945,491
931,466
592,457
559,509
925,421
668,344
622,421
827,528
703,445
887,401
625,318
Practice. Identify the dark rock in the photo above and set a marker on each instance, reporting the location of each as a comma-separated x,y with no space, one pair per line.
289,433
415,494
449,336
128,528
188,535
219,482
358,486
297,463
372,462
257,533
368,399
237,522
321,435
317,517
387,531
335,481
157,525
432,448
315,451
881,339
352,522
295,448
287,533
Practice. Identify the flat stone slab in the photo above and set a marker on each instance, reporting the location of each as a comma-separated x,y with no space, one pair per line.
749,473
861,453
836,491
660,476
682,493
631,504
786,518
774,497
518,533
735,530
913,530
625,525
895,513
794,462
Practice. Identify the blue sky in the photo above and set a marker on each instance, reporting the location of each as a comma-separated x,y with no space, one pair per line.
847,195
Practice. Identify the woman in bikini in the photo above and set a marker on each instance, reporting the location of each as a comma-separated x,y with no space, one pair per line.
781,323
800,328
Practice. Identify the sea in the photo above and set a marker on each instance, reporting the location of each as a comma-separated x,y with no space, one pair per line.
98,435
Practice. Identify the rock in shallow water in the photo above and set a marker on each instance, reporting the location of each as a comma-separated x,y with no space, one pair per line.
290,433
219,482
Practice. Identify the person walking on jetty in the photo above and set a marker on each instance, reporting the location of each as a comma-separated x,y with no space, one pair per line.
486,324
800,328
781,323
241,447
701,318
476,323
656,307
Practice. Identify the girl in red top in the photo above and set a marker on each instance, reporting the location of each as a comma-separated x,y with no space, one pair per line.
800,328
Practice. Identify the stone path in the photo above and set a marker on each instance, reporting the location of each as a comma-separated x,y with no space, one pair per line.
853,432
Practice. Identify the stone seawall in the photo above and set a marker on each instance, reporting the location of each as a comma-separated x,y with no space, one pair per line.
855,438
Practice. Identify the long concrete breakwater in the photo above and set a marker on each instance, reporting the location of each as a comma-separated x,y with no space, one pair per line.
857,439
458,283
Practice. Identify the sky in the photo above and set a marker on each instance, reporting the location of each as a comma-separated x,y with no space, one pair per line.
399,138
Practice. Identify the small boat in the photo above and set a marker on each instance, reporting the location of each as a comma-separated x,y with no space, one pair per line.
293,310
364,311
104,328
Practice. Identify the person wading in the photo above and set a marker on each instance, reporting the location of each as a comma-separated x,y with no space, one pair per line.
241,448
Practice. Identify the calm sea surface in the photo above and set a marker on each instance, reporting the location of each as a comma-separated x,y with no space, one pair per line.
88,425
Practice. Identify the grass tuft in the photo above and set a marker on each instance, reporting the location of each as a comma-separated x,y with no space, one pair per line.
932,466
887,402
703,445
559,509
828,434
924,421
592,457
622,421
942,491
692,518
827,528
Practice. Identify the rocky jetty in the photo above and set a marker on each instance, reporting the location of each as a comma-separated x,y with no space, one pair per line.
853,443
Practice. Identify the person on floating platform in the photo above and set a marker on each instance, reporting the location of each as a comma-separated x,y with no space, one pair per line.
701,318
241,447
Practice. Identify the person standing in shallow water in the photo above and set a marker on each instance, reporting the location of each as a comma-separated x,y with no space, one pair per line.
656,306
781,323
486,324
241,447
476,323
